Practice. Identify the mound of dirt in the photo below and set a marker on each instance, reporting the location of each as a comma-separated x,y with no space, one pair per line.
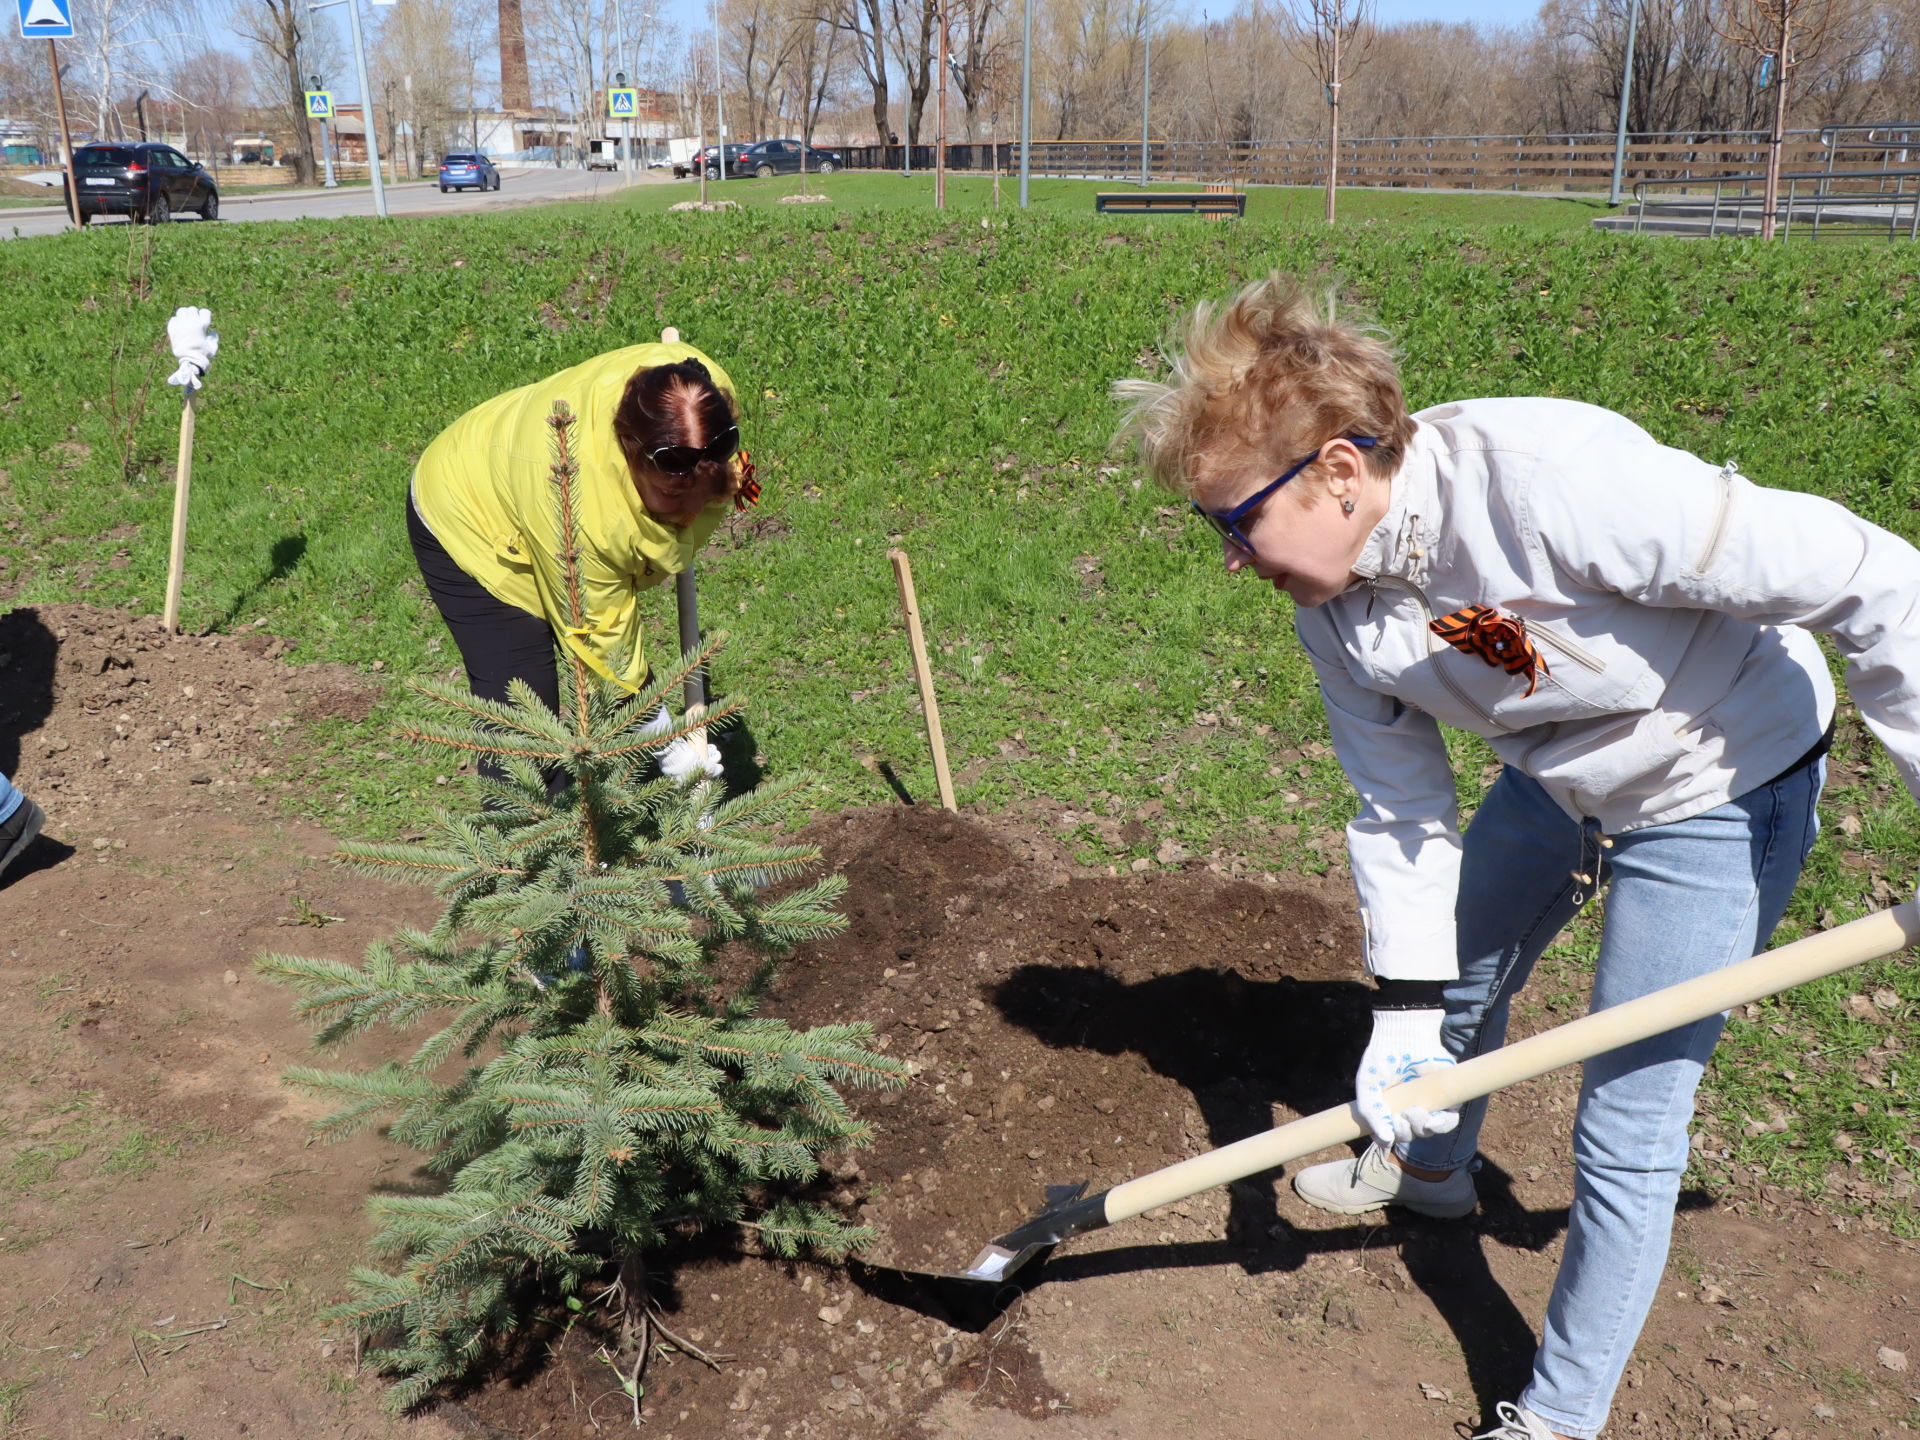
97,703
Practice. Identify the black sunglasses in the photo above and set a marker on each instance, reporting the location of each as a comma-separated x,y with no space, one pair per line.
1228,522
681,459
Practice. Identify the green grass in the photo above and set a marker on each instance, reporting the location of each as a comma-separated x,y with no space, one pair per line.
868,190
923,380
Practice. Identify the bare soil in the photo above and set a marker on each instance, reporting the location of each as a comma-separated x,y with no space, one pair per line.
167,1236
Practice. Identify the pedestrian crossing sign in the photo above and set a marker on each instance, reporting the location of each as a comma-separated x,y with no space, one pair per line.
319,104
623,104
46,19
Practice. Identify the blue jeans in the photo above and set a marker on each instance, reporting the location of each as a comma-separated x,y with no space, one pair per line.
10,798
1684,899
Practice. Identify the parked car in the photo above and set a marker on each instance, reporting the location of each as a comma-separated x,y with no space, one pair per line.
782,157
707,158
142,180
467,170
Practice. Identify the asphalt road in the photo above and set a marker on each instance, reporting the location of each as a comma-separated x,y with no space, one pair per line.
415,197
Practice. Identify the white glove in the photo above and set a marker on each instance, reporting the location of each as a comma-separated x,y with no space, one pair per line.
1404,1044
660,724
194,342
687,758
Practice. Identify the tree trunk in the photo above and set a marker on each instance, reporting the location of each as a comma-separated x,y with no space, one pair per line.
1333,123
1776,140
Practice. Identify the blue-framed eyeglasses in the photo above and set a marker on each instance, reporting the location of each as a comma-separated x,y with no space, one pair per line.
1228,524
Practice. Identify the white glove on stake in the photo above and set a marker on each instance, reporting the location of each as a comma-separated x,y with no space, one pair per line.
194,342
687,758
1405,1044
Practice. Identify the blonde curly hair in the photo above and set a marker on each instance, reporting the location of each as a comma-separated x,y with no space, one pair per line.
1260,381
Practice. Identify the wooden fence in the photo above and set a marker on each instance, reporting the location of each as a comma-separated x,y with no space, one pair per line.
1451,162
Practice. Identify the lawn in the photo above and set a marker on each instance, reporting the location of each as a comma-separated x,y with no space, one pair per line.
890,190
938,383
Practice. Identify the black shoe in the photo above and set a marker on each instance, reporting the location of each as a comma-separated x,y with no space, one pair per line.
18,830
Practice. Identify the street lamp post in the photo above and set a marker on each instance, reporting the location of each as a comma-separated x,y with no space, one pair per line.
626,128
366,99
719,87
1146,83
1626,84
1026,102
326,150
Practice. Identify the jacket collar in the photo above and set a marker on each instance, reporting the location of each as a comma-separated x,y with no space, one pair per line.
1401,544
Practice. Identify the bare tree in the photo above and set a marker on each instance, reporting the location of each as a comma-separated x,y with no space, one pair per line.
1786,32
120,46
978,55
862,22
286,51
910,37
1330,38
212,87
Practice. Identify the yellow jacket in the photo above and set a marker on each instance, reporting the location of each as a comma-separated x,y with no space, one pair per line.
485,489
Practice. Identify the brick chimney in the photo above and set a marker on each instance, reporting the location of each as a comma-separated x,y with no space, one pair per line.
515,92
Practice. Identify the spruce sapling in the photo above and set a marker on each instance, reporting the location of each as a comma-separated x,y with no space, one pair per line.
587,1084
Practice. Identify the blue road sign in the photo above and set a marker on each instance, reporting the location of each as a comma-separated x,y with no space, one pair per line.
623,104
46,19
319,104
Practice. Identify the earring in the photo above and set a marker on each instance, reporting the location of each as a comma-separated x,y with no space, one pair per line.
1346,507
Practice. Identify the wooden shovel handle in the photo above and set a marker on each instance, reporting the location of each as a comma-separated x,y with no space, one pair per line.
1827,953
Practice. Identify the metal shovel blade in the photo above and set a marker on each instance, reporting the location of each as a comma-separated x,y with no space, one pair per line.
970,1299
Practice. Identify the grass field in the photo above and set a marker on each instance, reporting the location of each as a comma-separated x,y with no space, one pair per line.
889,190
939,383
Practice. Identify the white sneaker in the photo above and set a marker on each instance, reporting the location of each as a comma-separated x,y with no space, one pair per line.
1374,1181
1516,1424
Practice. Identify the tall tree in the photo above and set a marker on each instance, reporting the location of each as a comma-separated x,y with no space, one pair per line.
288,51
910,31
863,23
212,86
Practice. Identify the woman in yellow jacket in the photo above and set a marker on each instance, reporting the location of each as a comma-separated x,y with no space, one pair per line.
658,445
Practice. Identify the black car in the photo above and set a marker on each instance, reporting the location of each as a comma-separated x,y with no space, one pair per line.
467,170
782,157
142,180
707,158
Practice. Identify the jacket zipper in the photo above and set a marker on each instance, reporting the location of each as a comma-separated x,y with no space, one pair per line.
1572,651
1443,650
1719,533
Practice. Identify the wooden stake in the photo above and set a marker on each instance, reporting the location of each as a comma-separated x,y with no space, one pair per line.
936,741
687,601
182,481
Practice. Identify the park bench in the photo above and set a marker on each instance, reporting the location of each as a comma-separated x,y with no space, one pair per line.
1209,202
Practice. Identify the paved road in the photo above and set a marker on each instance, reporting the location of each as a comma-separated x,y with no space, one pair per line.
421,197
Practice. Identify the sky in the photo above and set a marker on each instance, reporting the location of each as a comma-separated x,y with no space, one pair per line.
690,16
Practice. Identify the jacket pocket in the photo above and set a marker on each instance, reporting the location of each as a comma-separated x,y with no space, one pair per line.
511,550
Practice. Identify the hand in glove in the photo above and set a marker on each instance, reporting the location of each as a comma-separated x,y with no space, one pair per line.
1405,1043
194,344
687,758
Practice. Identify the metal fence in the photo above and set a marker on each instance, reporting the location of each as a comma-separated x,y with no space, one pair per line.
1857,203
1455,162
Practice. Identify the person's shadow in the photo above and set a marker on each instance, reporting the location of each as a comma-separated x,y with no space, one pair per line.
1238,1045
29,653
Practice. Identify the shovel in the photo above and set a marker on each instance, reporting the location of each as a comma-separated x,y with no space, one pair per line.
1070,1211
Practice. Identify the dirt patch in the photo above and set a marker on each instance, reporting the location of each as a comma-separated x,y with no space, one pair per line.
94,703
1065,1026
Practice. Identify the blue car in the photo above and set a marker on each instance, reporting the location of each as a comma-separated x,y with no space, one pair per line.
467,170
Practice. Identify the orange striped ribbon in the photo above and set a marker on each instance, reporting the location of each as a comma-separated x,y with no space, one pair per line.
1496,638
